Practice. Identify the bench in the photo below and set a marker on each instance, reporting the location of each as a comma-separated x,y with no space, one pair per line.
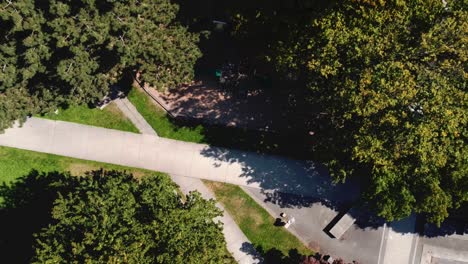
343,224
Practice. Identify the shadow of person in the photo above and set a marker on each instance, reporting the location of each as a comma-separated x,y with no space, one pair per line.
279,222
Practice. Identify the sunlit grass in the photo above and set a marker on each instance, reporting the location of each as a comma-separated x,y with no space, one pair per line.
160,122
15,163
109,117
256,223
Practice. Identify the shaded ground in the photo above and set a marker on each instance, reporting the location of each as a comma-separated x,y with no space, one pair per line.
265,113
247,107
291,142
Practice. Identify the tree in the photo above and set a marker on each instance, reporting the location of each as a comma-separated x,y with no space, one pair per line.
113,217
390,77
62,52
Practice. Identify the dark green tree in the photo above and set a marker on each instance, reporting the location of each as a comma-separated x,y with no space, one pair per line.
111,217
68,52
388,84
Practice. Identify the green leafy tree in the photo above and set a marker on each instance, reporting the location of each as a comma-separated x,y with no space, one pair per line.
390,79
111,217
68,52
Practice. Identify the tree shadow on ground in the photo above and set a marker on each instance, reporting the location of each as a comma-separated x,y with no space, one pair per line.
247,105
455,224
290,138
292,183
286,181
273,255
449,227
250,250
25,209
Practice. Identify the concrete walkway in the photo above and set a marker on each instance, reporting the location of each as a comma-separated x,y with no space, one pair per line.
132,113
269,173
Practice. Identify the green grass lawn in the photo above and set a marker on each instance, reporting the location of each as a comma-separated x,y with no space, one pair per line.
109,117
256,223
15,163
160,122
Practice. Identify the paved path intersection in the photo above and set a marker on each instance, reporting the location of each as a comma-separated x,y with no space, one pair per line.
237,243
132,113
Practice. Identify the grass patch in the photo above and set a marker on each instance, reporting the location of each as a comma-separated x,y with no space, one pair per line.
256,223
15,163
110,117
160,122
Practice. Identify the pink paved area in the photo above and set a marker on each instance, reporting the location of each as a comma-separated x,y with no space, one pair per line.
251,107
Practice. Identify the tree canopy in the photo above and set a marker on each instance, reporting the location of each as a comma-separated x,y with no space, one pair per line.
388,80
393,75
68,52
111,217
